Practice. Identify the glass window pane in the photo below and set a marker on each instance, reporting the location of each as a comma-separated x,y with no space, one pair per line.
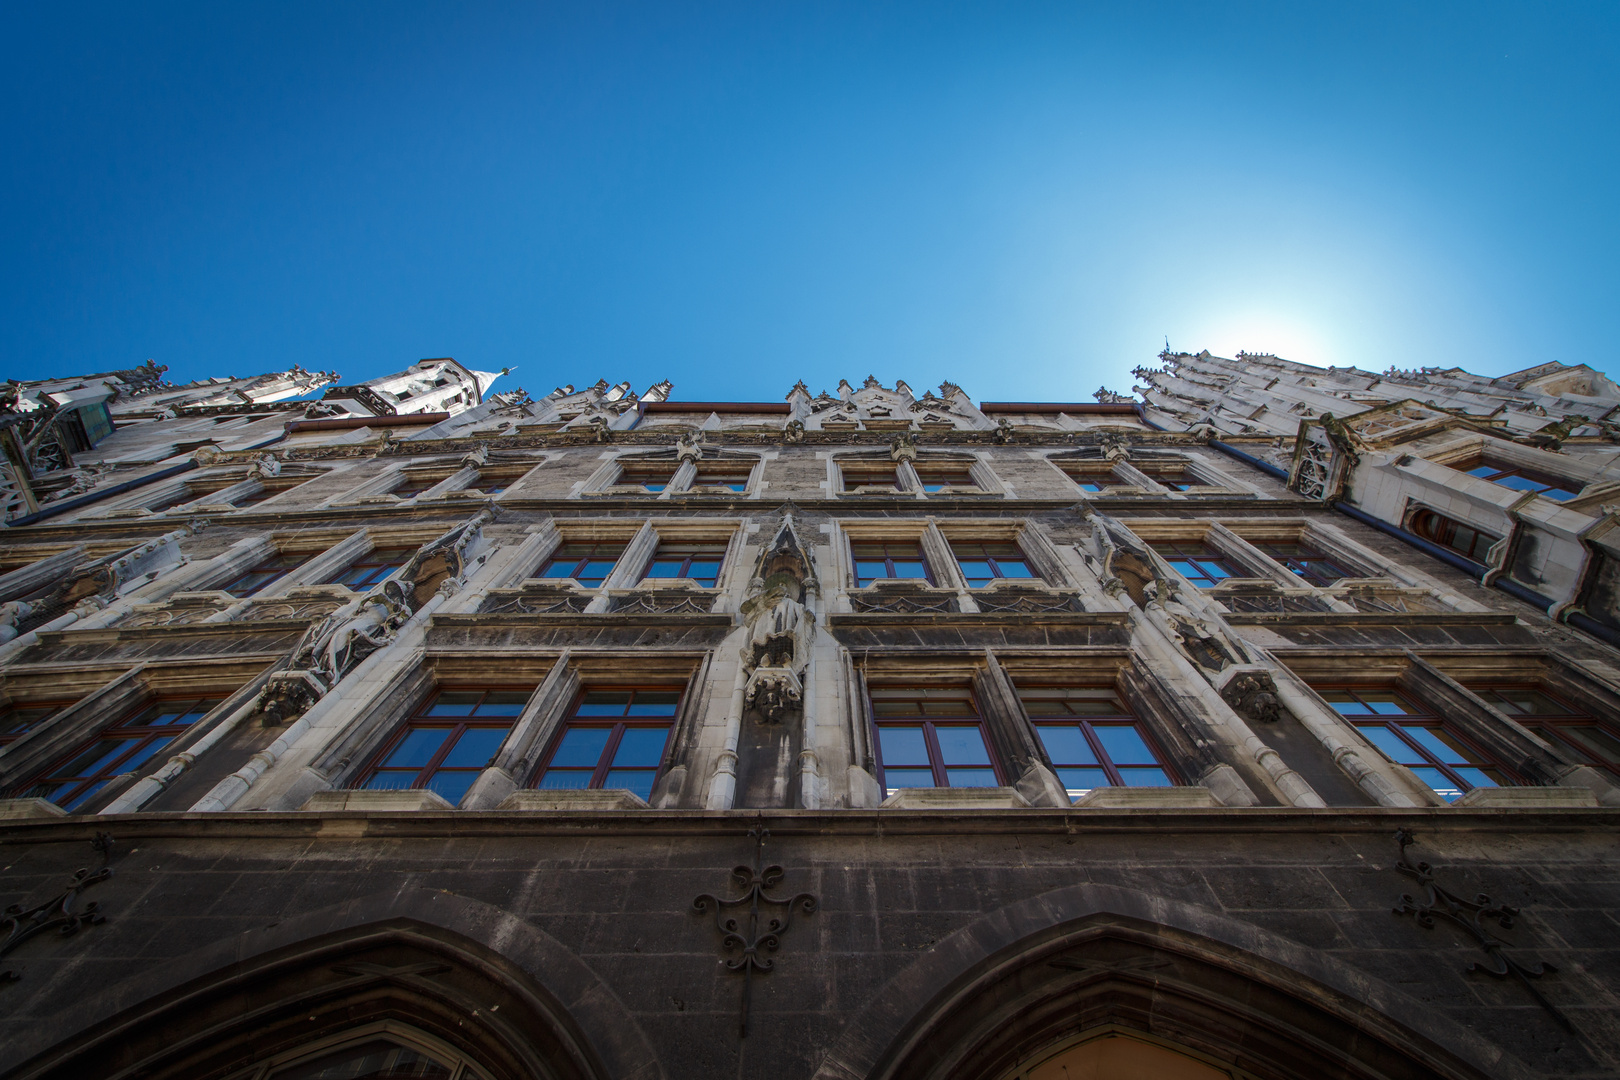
1445,746
1387,705
1345,704
503,703
962,745
1442,784
581,747
1015,568
595,571
454,703
1597,740
1476,777
1123,744
704,571
385,780
665,568
904,778
868,570
639,781
906,568
640,746
452,784
976,570
82,797
417,747
1144,777
1079,781
556,569
475,747
97,758
565,780
603,703
903,746
1066,744
972,777
144,754
655,703
1390,744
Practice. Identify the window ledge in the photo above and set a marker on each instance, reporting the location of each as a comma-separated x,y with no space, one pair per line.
376,801
1527,798
575,799
937,798
19,809
1129,798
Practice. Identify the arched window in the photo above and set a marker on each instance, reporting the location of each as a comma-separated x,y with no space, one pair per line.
1464,539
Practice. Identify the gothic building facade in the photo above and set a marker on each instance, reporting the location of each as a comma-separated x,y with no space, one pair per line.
1265,725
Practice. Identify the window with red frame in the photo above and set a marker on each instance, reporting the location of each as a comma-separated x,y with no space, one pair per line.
651,476
121,748
372,567
1409,734
18,720
694,562
1464,539
983,563
1591,740
1523,480
931,737
264,575
938,477
876,560
588,564
446,743
1092,739
869,474
614,738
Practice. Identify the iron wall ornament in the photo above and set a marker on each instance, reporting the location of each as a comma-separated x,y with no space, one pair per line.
56,913
1470,915
752,945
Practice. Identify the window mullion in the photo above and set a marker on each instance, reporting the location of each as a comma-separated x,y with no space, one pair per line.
1103,759
599,777
433,763
936,759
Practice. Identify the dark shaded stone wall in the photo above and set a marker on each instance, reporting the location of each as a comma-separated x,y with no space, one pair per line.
902,896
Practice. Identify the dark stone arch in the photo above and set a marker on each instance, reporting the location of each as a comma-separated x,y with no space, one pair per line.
504,993
1033,973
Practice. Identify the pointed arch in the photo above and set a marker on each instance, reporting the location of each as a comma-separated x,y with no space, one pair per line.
1020,981
498,991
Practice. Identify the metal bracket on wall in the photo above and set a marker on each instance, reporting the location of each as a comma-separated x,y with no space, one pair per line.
1468,914
56,913
750,946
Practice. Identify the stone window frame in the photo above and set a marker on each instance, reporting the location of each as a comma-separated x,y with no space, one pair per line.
982,721
212,490
378,490
1417,514
1031,538
685,485
1220,539
604,481
1130,478
941,562
1437,679
908,484
330,551
1187,750
546,751
376,761
556,677
105,697
1458,456
522,562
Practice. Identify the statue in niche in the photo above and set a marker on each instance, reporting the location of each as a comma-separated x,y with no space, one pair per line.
1199,636
777,652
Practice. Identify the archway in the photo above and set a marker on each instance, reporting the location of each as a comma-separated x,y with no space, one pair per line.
493,999
1114,1055
1010,990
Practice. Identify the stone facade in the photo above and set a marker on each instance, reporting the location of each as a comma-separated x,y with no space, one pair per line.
864,734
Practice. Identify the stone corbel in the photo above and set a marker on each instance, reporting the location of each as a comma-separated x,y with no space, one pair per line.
1251,692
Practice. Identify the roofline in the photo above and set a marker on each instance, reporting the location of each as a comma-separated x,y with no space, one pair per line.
777,408
1092,407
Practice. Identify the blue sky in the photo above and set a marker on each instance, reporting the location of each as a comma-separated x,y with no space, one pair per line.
1026,199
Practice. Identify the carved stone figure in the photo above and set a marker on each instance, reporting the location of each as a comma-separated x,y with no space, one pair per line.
777,652
11,615
1253,695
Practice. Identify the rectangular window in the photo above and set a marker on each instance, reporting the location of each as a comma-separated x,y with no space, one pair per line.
869,474
416,483
931,737
1560,723
653,476
588,564
264,575
721,474
372,567
121,748
1520,480
493,482
695,562
18,720
256,497
1465,540
1176,477
1092,477
938,477
983,563
451,738
1410,735
1306,562
1200,564
1092,739
874,561
613,739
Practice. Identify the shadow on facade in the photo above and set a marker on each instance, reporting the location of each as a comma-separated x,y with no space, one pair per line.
493,992
1030,979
